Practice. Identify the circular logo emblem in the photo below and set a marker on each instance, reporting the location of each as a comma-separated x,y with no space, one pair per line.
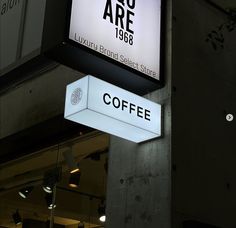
76,96
229,117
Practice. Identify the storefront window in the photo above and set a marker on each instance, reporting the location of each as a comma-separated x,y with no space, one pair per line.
39,190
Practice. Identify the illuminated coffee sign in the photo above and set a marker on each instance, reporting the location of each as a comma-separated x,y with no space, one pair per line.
126,31
103,106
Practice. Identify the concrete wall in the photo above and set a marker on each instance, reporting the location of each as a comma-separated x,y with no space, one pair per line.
139,176
138,191
204,91
35,101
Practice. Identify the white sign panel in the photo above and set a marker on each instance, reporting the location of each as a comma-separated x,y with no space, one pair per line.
127,31
103,106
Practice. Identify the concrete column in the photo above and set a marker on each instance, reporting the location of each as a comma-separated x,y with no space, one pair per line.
139,175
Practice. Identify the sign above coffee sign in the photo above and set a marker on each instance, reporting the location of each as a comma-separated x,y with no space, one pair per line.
125,31
103,106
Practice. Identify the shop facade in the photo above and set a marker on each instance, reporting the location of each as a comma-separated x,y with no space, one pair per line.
169,181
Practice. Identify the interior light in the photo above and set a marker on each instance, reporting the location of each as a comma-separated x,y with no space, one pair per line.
74,179
103,218
49,201
51,177
101,212
47,189
24,192
70,160
17,218
74,170
51,206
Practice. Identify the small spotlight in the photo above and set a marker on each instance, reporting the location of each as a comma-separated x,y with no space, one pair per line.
51,177
74,170
101,212
71,163
47,189
16,217
24,192
74,179
49,201
103,218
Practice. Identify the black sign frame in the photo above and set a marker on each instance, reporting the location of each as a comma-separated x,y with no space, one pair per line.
88,61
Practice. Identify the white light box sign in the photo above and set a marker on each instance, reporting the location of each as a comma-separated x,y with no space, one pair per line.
103,106
126,31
